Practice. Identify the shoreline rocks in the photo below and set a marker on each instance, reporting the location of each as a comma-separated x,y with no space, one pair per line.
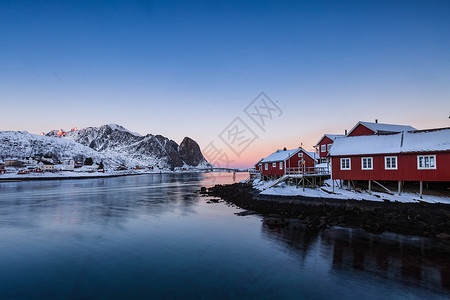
420,219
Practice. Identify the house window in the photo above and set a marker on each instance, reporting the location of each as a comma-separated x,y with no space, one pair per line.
266,166
323,148
329,147
367,163
300,154
345,164
426,162
390,162
281,165
274,165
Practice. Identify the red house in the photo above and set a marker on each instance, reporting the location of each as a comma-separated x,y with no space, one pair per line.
367,128
258,165
283,161
323,146
419,155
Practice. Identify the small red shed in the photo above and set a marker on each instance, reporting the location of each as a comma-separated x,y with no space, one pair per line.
323,146
282,161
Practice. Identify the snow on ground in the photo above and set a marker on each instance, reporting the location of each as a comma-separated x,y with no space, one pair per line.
285,190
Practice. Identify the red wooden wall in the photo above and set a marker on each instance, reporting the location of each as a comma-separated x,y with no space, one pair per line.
406,168
325,141
361,130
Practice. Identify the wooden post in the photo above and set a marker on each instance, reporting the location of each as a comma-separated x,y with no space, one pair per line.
303,180
421,190
333,185
399,187
370,187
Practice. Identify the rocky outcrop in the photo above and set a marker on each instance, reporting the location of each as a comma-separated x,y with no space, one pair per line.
190,152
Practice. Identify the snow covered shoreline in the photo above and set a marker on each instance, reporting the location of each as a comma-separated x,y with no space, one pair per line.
75,175
284,190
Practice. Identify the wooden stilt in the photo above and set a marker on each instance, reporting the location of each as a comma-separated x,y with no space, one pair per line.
333,186
370,187
399,187
421,190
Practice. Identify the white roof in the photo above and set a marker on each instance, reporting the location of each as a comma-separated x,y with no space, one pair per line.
413,141
380,127
282,155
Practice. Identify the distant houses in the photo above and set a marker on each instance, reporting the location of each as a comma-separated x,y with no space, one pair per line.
39,164
370,152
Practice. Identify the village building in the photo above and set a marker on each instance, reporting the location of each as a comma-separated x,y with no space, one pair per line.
2,167
407,156
13,162
46,166
284,161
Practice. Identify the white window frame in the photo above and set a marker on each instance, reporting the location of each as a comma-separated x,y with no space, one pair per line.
281,165
349,163
430,159
300,154
391,158
369,159
329,147
323,148
266,166
274,165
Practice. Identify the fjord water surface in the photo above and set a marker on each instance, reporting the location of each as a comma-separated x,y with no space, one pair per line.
154,237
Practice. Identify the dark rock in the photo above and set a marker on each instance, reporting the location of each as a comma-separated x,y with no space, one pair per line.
276,222
443,236
245,213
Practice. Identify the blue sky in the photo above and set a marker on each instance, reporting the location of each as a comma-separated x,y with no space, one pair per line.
188,68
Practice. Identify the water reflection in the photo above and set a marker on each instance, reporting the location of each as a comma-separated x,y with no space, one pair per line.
154,237
412,261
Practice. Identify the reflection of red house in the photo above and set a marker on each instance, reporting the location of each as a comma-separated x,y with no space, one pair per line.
281,161
368,128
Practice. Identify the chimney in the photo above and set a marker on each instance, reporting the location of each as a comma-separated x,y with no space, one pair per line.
345,131
284,149
376,120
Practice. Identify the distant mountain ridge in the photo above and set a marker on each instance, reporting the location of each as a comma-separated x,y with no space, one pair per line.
112,143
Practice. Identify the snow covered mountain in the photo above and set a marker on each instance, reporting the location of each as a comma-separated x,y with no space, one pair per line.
111,143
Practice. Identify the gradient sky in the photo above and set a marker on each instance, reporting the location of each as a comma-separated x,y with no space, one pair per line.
189,68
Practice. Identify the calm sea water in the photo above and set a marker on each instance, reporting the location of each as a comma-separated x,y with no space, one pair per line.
154,237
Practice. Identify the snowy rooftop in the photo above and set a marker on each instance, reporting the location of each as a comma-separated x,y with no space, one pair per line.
380,127
415,141
282,155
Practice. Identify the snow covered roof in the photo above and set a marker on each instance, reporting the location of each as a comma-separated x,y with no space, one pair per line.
383,128
412,141
330,136
282,155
